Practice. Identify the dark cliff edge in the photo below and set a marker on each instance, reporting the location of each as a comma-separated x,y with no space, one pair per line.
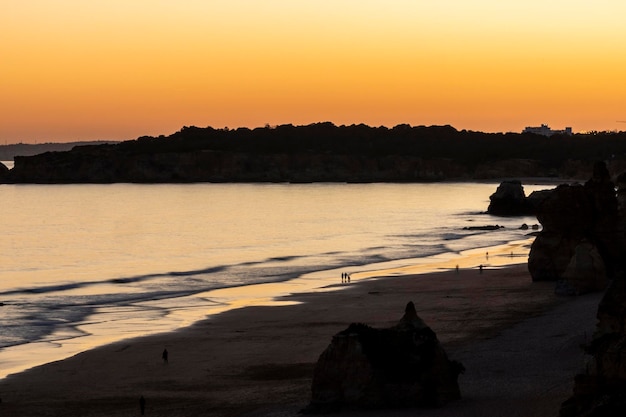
323,152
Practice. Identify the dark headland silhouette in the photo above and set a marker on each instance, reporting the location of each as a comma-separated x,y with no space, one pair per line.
324,152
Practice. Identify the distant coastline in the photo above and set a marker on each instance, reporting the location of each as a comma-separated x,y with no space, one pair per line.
8,152
319,152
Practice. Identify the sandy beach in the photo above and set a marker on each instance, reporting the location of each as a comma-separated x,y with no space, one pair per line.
519,343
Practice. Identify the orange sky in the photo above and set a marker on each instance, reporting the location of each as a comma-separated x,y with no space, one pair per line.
119,69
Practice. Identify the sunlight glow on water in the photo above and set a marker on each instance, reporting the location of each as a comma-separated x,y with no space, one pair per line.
68,233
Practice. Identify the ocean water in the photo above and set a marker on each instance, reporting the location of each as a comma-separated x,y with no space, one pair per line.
76,260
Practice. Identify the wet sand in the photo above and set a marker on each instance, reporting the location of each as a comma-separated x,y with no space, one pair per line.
517,340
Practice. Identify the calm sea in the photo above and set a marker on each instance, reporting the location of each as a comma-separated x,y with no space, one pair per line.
71,255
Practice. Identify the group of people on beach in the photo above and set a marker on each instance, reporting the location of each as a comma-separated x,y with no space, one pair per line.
345,277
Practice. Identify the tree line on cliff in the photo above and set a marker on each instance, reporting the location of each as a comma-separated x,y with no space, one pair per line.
326,152
469,147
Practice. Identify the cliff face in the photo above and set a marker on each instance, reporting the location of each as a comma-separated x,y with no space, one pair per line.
106,166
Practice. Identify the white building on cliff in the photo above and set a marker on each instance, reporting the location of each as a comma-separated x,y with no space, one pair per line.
546,131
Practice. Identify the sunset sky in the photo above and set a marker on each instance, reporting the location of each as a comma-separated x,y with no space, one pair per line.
119,69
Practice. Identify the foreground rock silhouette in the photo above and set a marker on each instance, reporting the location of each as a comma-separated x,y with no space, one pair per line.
367,368
600,390
580,245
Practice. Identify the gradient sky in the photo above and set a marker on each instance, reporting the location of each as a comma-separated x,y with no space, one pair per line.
119,69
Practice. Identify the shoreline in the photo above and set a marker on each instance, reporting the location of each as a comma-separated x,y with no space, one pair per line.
96,331
518,341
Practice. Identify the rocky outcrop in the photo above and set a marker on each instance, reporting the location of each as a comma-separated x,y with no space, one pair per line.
580,243
367,368
509,200
4,171
601,389
535,199
585,272
524,226
606,228
488,227
564,216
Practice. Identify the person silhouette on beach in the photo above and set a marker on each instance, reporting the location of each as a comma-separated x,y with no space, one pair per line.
142,405
165,356
347,277
480,268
